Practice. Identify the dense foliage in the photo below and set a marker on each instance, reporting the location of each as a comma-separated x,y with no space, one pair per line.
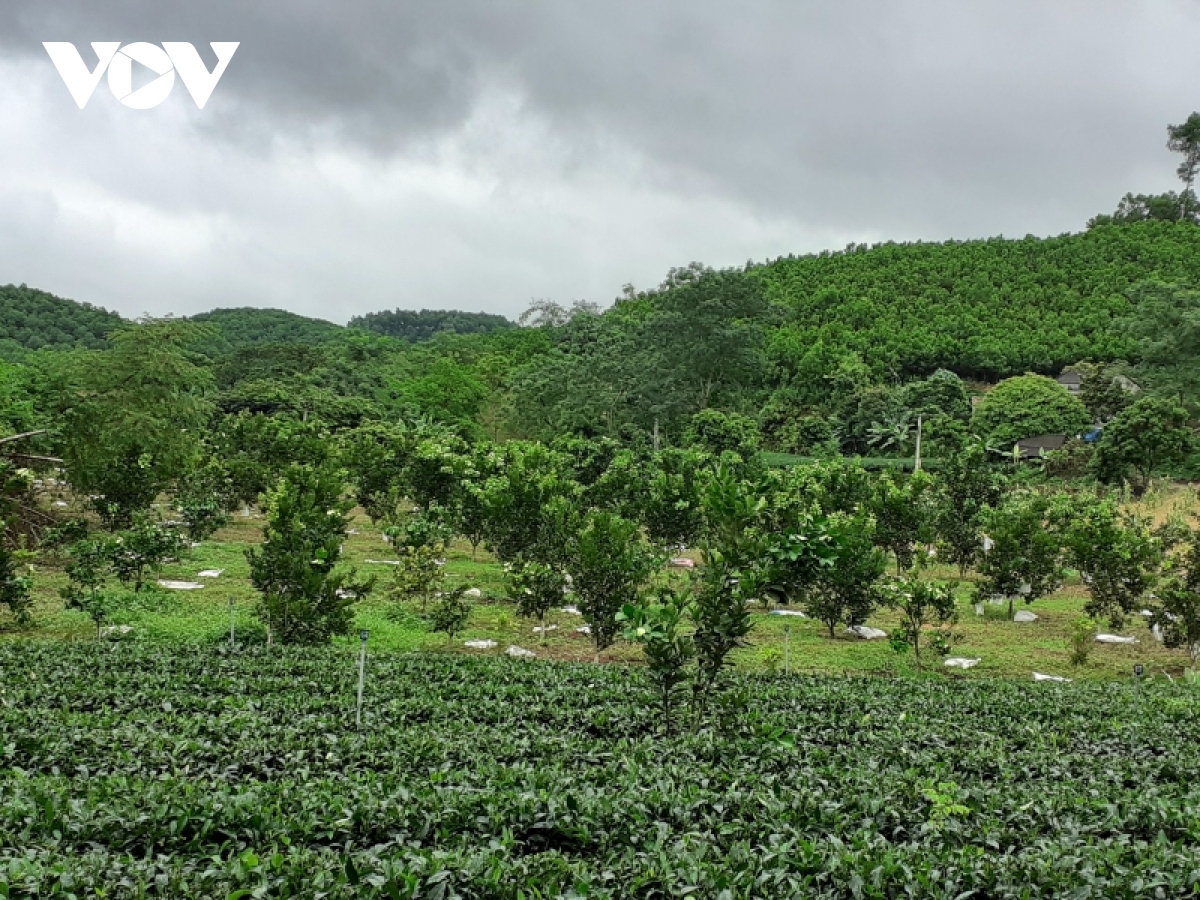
407,325
33,320
195,772
984,309
252,327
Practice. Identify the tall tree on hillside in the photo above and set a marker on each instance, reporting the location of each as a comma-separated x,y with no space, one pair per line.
1151,433
707,326
1185,139
1026,406
130,419
1165,323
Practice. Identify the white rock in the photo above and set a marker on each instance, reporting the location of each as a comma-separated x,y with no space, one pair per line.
519,652
210,573
181,585
1115,639
867,634
960,662
682,562
538,629
584,629
473,592
571,611
789,612
480,645
1038,676
1024,615
115,630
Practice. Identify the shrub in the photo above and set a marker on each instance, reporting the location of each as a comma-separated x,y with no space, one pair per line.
1082,640
921,604
142,549
451,613
203,500
669,650
609,563
844,587
305,599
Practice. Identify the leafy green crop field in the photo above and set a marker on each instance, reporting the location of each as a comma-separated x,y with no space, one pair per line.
192,771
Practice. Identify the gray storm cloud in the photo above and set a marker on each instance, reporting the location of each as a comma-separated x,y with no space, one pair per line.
474,155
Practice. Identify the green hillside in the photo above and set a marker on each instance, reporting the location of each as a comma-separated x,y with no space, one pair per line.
33,320
983,309
249,327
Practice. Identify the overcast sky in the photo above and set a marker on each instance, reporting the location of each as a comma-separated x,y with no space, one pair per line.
473,155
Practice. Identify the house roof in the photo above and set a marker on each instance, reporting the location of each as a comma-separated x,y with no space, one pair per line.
1039,444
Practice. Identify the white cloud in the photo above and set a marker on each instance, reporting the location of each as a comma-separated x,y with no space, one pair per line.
455,155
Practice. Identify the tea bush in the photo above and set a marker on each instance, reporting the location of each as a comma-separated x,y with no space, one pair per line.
132,770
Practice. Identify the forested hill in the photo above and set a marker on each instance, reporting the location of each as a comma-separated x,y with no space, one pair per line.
986,308
32,320
250,327
422,326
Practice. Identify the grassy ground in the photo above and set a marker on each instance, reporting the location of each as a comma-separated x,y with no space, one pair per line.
1005,648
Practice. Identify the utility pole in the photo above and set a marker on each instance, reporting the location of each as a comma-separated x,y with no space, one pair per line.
917,463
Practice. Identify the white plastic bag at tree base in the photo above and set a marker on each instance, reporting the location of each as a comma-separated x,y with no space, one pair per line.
1024,615
181,585
519,652
867,634
571,610
210,573
474,593
960,662
538,629
1156,630
351,531
480,645
682,562
789,612
1115,639
1038,676
584,629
